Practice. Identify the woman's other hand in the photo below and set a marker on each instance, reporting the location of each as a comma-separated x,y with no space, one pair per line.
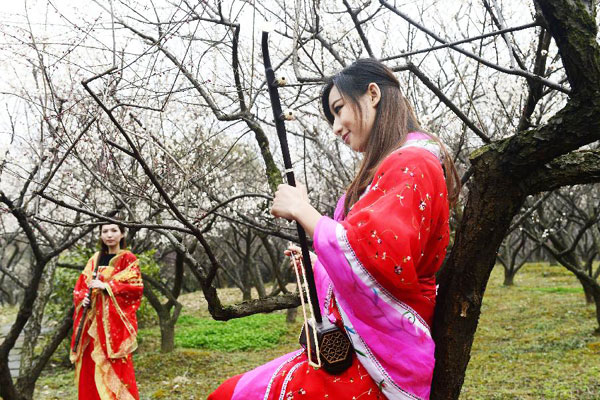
98,284
94,284
86,300
295,254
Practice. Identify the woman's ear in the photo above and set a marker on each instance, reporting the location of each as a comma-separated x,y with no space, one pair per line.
374,94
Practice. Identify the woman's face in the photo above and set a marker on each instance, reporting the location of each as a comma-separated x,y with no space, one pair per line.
111,235
347,122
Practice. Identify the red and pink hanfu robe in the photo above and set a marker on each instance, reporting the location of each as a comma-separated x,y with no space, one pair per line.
375,277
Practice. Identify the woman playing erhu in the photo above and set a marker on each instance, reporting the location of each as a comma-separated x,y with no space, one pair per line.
377,257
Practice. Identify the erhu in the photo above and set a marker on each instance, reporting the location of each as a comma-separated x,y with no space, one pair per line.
326,344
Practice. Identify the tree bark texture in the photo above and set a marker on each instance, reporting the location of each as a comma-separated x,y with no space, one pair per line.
33,328
489,211
26,382
509,277
167,332
167,312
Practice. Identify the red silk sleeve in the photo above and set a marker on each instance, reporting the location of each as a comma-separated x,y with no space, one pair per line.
128,285
79,293
80,290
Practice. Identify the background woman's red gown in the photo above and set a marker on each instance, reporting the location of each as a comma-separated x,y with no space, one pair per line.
103,363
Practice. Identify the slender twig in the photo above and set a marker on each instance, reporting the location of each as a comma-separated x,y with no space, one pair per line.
112,220
423,78
467,40
527,213
49,177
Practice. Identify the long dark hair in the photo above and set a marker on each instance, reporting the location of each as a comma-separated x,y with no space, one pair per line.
394,119
103,247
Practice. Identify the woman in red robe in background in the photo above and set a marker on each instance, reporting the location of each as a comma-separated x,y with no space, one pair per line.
102,358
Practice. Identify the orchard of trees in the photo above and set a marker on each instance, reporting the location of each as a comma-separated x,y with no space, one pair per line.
156,113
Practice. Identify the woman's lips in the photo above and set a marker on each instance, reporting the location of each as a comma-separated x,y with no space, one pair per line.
346,138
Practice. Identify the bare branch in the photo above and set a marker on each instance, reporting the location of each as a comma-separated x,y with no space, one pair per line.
519,72
359,30
423,78
467,40
575,168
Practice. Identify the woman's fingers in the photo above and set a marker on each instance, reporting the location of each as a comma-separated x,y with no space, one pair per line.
292,248
94,284
290,253
97,284
297,263
288,201
296,251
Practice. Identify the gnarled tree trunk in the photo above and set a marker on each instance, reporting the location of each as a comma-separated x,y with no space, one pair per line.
504,173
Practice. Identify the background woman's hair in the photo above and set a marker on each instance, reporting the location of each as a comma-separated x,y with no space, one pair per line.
394,119
103,247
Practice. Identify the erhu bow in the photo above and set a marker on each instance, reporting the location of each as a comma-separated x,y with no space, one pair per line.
332,349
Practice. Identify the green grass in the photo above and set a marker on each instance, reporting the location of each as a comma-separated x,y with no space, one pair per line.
558,289
535,341
255,332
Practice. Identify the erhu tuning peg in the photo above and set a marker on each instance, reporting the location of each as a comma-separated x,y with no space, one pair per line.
281,81
288,115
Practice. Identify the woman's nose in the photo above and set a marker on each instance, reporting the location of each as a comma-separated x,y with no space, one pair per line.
337,127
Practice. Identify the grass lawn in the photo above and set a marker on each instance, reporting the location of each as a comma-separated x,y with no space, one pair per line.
534,341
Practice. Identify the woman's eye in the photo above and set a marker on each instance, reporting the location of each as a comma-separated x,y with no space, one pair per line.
337,109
